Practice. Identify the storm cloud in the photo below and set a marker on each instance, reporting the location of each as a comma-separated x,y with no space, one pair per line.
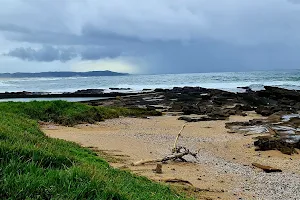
160,36
46,53
49,53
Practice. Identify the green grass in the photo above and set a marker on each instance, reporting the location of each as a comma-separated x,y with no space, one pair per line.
67,113
34,166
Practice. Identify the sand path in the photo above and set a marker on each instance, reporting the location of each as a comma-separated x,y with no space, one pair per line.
224,167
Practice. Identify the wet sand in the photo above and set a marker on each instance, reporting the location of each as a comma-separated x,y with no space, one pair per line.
224,166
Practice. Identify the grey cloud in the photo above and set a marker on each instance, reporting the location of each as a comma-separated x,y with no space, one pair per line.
232,21
294,1
89,36
49,53
44,54
14,28
168,35
96,53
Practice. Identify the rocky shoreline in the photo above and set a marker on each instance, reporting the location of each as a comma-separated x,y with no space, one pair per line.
280,129
79,93
279,106
233,138
216,104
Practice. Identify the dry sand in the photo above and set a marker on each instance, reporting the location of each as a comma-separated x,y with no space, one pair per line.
224,167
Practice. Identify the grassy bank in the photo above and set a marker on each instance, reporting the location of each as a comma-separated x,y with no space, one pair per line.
67,113
34,166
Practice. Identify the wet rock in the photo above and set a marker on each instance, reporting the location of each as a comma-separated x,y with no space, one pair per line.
205,96
276,117
188,119
160,90
218,113
264,143
89,91
176,107
191,109
188,90
120,88
248,89
254,122
203,118
279,93
243,107
253,99
264,110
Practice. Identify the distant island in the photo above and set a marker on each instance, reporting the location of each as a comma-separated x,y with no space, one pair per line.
61,74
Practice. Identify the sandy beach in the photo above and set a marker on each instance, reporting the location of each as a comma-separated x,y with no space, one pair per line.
223,169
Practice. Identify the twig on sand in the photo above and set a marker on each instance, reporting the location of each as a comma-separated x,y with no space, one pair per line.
142,162
267,169
176,140
176,180
177,153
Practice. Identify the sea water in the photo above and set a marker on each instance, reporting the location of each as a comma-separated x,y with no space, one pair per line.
229,81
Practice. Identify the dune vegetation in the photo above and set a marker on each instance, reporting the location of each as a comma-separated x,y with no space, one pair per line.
34,166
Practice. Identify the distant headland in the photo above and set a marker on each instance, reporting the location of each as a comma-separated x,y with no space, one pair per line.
61,74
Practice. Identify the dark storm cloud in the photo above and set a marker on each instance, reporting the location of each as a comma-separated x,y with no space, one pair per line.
44,54
96,53
168,35
14,28
88,36
48,53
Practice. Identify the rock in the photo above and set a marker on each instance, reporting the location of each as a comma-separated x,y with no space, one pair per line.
295,122
176,107
252,99
243,114
89,91
248,89
120,88
158,169
203,118
187,119
191,109
264,143
187,89
218,113
279,93
243,107
264,110
160,90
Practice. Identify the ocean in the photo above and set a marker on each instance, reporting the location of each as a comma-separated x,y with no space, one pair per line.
227,81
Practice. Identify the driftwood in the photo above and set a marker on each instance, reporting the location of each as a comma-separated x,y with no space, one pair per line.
176,140
142,162
267,169
176,180
177,153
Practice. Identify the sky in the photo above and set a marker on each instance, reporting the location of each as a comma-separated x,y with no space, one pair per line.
153,36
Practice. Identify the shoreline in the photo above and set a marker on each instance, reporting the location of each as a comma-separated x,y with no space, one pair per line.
116,91
233,133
